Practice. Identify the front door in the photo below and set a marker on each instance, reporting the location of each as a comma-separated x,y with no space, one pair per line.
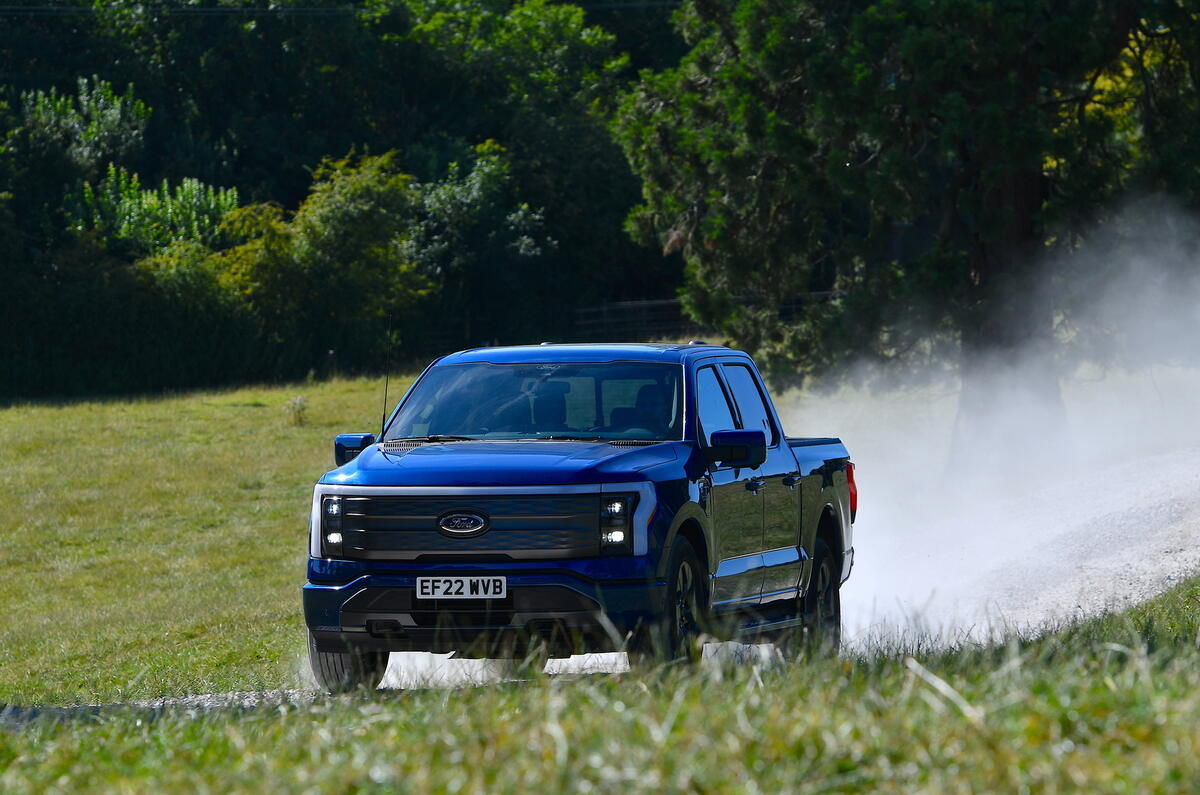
783,558
736,505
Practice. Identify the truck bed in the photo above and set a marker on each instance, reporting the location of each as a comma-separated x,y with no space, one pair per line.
814,441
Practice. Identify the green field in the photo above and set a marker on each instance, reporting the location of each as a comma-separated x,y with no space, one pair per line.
155,548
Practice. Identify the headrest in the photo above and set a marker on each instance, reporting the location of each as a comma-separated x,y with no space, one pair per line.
651,396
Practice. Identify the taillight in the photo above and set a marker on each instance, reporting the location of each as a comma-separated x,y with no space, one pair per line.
853,490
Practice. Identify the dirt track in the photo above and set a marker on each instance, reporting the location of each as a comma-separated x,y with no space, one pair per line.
1111,537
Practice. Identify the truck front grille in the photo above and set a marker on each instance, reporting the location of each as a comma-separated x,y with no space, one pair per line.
520,527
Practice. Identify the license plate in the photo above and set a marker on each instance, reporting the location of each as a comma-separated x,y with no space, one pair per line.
462,587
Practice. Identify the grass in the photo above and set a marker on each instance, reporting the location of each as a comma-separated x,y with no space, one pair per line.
1108,706
156,547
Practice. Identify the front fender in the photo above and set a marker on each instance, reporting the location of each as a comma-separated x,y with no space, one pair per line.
690,511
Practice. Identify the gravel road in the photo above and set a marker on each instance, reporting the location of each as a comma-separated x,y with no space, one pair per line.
1114,536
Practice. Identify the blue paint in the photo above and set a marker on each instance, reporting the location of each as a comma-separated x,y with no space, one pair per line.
630,588
509,463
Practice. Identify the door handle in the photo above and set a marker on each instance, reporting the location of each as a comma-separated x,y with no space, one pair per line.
791,481
754,485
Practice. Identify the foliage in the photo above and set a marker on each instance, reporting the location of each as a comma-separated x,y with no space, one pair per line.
477,240
256,99
328,277
118,207
541,82
856,179
296,410
52,141
94,126
523,51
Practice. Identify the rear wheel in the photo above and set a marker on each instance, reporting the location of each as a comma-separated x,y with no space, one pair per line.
341,672
676,635
822,605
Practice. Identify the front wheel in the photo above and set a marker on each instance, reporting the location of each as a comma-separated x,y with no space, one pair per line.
343,671
677,634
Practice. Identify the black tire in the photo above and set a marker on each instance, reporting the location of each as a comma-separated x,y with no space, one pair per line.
822,605
341,672
678,634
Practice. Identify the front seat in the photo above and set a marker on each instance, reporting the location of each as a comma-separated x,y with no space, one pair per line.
649,410
653,406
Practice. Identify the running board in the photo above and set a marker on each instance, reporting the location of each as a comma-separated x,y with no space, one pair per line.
783,623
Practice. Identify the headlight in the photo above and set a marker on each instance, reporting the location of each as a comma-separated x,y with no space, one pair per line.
616,523
331,527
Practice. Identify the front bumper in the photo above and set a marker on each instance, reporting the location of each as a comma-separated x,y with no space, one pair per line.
569,609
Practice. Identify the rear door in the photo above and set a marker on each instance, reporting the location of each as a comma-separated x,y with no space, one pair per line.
736,504
779,477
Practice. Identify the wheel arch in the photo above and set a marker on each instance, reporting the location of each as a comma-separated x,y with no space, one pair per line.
692,524
829,530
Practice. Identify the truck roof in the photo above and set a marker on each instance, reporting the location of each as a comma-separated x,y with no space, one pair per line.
585,352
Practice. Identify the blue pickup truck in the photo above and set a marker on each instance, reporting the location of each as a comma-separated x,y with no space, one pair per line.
576,498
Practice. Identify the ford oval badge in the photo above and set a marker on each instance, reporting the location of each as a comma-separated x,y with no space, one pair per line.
462,524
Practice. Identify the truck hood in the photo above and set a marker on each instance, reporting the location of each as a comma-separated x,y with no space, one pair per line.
501,463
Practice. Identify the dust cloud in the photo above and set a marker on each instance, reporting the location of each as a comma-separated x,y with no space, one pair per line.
1035,528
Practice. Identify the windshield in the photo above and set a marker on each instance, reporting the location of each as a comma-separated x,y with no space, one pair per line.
603,401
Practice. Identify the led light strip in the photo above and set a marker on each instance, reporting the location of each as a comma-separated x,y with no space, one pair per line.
641,515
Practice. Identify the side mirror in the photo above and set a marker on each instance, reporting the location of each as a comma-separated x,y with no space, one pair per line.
348,445
737,448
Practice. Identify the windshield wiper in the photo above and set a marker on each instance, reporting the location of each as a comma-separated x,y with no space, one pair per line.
559,437
435,437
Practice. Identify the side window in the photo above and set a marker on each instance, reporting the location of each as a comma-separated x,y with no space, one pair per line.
713,406
755,416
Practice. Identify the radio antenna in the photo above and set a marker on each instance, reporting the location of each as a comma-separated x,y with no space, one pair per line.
387,374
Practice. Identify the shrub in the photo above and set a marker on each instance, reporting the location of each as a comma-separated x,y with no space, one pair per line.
148,220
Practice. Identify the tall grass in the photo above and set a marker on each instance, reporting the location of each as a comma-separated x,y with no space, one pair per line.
1110,706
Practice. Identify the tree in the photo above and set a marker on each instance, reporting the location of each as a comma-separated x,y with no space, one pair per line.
112,223
535,77
887,179
59,139
327,277
371,249
477,241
